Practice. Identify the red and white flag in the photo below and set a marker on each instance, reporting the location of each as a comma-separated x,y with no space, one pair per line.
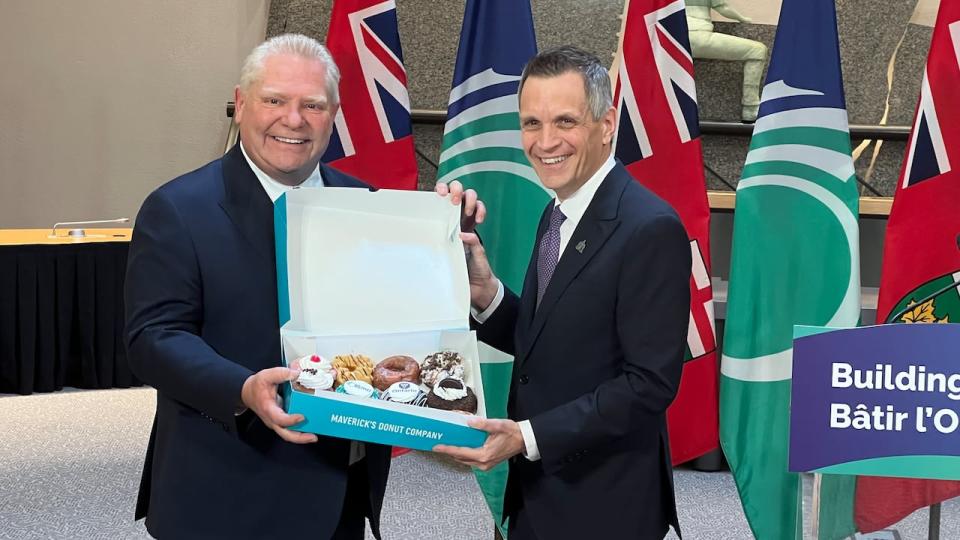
372,137
920,254
658,140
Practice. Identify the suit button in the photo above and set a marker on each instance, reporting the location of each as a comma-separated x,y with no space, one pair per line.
524,379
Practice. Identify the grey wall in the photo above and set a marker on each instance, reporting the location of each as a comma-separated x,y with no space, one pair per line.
870,36
103,100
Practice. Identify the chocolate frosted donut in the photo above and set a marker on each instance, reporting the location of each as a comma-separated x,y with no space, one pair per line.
451,394
441,365
395,369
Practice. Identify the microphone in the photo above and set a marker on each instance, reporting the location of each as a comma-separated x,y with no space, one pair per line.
896,316
80,233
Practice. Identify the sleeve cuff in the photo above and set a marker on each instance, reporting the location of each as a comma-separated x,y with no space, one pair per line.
531,452
482,316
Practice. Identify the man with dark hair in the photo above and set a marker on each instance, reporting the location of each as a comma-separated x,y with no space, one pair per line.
598,332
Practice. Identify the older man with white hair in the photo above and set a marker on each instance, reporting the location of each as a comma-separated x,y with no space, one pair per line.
202,328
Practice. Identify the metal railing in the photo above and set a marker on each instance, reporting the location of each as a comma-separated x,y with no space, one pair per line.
722,201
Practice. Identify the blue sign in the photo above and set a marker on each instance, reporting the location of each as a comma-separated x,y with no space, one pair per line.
877,401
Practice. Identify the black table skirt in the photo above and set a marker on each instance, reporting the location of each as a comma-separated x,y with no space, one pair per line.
61,317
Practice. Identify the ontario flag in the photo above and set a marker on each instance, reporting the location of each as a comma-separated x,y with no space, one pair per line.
658,140
920,254
372,137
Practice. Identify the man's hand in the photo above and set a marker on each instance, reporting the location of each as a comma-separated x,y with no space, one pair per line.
503,442
472,212
259,394
483,284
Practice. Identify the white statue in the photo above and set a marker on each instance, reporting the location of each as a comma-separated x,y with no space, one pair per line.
706,43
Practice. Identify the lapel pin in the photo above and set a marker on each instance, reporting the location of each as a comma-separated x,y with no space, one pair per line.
581,246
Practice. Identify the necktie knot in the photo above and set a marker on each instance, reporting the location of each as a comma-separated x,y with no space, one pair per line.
557,218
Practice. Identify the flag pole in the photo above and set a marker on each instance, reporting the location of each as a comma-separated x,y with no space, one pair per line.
933,526
815,507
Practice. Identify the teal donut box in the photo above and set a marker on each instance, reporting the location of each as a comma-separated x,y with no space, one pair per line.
354,227
362,422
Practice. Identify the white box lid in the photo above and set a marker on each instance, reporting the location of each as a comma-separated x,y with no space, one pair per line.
369,262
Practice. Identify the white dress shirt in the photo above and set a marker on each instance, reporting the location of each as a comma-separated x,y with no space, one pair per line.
573,208
274,190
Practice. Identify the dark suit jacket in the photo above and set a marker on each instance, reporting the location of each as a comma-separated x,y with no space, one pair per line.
201,310
596,366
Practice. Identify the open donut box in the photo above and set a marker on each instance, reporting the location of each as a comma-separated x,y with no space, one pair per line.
374,274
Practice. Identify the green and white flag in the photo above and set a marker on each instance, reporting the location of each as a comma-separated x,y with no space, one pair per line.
795,260
481,148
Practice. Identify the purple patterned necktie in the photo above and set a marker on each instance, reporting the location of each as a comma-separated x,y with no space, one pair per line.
549,252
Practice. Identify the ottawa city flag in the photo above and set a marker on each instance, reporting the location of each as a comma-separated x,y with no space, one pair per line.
795,260
481,148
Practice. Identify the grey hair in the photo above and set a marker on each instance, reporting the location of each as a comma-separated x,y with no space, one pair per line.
557,61
296,44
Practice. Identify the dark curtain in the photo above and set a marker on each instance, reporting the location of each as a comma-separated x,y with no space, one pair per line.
61,317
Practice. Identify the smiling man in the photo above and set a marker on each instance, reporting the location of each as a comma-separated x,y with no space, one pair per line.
203,329
286,105
597,334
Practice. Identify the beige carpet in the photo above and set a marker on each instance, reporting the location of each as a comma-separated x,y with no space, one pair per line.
70,466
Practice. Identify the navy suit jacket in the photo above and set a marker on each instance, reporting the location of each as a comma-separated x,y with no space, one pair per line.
595,367
201,312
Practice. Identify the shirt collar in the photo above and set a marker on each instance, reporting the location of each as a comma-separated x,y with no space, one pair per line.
275,189
576,205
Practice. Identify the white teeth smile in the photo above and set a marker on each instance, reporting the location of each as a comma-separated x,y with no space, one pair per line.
553,160
289,141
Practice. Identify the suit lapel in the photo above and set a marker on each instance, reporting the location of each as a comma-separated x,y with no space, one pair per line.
247,204
528,302
333,178
595,227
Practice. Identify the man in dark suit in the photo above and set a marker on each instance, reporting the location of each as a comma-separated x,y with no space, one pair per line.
598,332
202,328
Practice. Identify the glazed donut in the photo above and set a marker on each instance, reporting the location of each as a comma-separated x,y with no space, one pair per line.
395,369
352,367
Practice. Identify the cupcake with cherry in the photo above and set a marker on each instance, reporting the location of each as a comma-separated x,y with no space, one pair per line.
316,374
